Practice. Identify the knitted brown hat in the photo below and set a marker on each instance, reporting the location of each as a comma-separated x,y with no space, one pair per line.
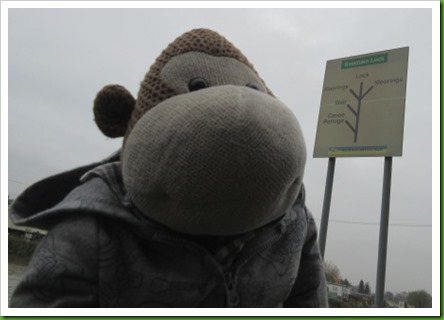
114,104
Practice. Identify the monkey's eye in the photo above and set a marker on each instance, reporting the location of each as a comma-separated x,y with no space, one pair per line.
252,86
197,84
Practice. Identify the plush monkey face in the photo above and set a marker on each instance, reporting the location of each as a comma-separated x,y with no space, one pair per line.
208,149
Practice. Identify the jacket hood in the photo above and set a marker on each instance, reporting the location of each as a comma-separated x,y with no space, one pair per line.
41,198
95,189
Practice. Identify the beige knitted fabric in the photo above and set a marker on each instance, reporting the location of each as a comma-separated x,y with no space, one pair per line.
219,161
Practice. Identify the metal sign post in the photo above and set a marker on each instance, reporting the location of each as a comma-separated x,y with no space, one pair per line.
326,205
362,115
383,233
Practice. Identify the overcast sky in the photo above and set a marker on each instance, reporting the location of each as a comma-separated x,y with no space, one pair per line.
60,58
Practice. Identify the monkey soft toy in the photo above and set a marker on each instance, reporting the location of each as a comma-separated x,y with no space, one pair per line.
203,206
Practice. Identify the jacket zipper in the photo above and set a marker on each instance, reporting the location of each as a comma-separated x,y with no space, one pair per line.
233,298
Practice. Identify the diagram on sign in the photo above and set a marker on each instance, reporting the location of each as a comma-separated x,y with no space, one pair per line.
357,112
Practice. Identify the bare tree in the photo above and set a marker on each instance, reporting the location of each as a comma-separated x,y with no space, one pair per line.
332,272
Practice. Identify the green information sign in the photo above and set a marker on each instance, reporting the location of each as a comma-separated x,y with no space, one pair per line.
364,61
362,106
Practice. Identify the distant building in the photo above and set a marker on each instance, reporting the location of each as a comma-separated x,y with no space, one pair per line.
367,299
393,304
338,291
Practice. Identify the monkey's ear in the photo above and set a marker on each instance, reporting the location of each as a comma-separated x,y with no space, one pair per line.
112,109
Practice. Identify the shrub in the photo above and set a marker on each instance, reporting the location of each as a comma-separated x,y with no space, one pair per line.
20,248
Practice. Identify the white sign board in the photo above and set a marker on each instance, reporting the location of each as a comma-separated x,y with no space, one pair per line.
362,106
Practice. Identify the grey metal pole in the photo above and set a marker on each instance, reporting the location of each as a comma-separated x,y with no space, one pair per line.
383,233
326,205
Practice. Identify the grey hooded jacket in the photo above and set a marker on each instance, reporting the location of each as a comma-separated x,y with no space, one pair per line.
100,251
